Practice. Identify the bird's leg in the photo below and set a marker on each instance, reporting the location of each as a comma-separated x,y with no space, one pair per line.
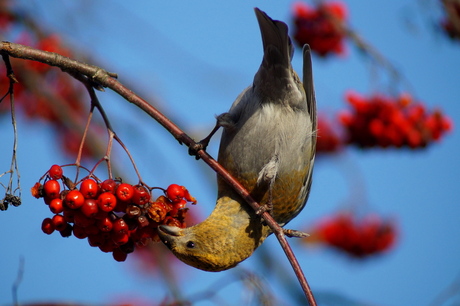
268,175
222,120
202,144
267,207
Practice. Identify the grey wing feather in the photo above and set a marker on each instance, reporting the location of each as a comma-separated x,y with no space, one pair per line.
311,104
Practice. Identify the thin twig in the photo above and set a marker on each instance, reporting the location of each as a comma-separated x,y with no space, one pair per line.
106,79
14,164
112,135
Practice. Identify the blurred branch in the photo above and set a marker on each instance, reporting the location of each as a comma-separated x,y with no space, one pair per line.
18,281
107,79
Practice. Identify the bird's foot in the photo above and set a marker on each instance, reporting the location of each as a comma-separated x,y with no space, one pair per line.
295,233
222,120
265,208
201,145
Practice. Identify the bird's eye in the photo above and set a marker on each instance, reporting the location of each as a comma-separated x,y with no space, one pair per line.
190,244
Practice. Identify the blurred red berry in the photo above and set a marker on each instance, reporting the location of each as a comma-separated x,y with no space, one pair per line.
320,27
329,139
358,237
391,122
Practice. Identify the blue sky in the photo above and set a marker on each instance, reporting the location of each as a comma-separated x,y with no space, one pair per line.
195,58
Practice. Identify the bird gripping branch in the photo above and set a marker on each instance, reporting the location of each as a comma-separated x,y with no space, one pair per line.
268,145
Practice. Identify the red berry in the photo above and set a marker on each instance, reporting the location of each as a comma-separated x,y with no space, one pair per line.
55,172
128,247
188,196
108,185
52,188
125,192
89,188
107,201
120,226
119,255
96,240
59,222
74,199
121,206
92,230
141,195
69,214
105,225
81,220
107,246
79,232
56,206
175,192
119,238
67,231
48,226
90,208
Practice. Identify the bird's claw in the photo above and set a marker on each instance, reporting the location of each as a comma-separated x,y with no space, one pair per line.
265,208
201,145
295,233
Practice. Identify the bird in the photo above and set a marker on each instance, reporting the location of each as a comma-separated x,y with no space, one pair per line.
268,144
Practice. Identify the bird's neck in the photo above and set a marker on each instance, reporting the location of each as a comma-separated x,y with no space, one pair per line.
235,228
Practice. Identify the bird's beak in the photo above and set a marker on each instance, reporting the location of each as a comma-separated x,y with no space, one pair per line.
167,233
169,230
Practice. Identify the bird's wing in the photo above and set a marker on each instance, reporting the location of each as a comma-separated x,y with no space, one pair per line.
311,104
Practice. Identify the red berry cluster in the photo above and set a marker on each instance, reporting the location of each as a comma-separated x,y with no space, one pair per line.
43,92
385,121
356,237
451,23
114,216
320,27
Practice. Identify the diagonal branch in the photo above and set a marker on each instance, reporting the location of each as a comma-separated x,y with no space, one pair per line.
106,79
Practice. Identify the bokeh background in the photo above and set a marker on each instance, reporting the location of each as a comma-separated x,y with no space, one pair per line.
192,59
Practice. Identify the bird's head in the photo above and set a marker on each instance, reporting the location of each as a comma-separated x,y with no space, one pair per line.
204,248
196,248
